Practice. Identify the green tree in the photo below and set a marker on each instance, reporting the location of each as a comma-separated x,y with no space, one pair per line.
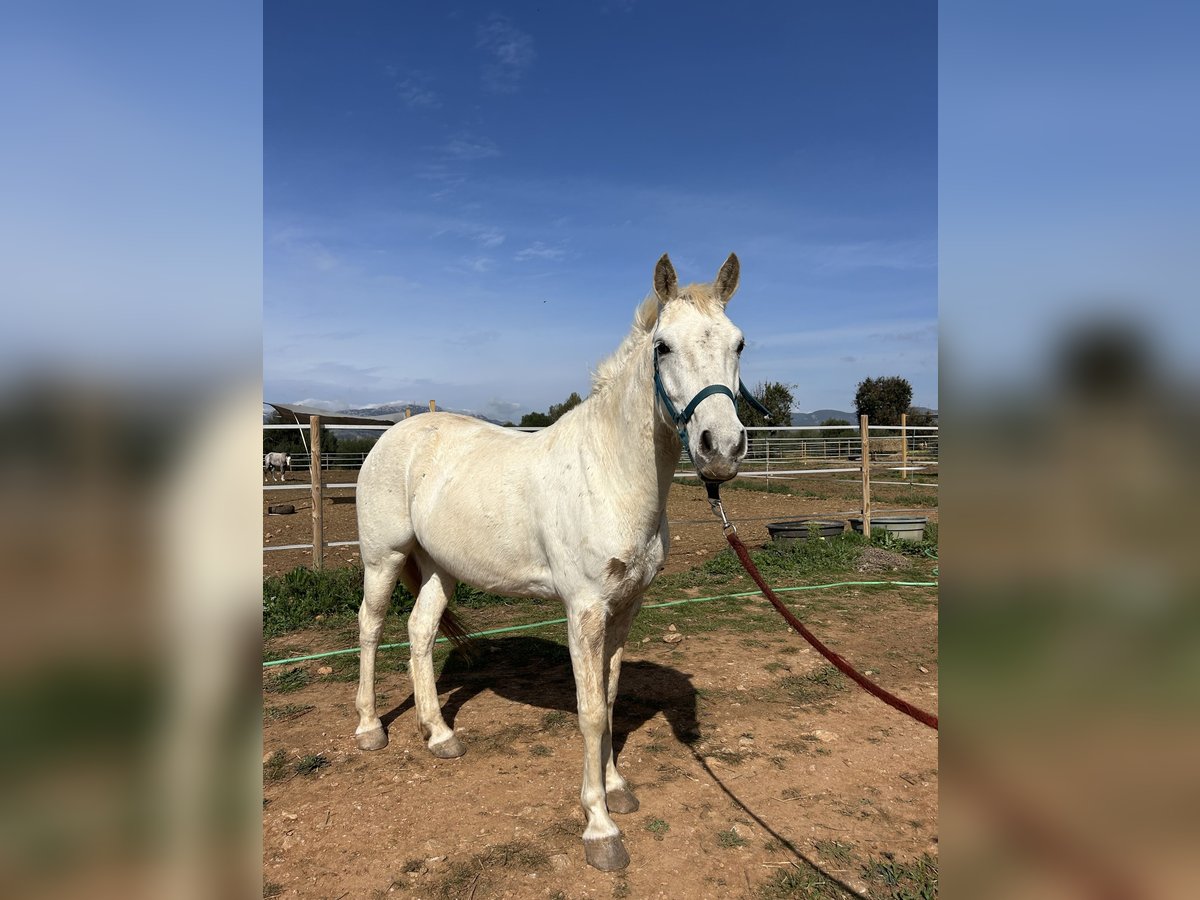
776,397
556,412
883,400
848,432
919,416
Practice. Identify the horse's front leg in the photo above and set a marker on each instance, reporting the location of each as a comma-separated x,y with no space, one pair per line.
602,844
621,798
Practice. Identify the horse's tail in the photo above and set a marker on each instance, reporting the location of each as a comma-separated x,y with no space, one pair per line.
451,626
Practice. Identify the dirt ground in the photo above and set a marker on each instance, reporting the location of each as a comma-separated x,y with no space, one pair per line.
752,765
694,533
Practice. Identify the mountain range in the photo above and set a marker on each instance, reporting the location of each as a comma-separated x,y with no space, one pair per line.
395,410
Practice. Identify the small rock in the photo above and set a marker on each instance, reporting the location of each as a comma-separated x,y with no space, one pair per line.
671,628
560,861
319,617
291,817
325,670
825,737
646,639
673,638
267,757
923,669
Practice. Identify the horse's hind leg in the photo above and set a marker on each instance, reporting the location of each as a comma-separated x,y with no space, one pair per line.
378,583
436,588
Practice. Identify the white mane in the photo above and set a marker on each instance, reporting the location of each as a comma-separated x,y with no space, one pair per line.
644,319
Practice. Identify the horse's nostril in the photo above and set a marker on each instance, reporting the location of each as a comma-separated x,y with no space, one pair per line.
741,448
706,441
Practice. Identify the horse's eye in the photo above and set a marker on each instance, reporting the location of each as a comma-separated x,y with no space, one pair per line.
661,348
741,346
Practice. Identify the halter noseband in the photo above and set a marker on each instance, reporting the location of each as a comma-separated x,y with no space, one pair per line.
681,419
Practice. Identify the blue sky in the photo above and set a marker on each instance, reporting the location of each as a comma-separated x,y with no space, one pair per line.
466,204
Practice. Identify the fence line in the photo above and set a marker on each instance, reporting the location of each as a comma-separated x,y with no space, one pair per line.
785,452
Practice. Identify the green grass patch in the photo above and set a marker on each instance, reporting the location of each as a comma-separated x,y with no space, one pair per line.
275,768
286,712
730,839
556,719
474,874
657,827
310,763
759,485
294,600
287,681
891,880
800,881
835,850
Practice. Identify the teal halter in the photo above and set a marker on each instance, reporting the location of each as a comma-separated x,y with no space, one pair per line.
681,419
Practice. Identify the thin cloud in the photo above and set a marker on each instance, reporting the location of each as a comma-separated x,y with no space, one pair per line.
503,410
414,88
538,250
902,255
511,55
467,147
298,243
472,338
479,264
490,237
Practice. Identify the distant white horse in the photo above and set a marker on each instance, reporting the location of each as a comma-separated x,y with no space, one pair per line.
575,512
274,461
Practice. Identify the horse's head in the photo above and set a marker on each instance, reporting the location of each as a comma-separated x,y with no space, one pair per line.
696,348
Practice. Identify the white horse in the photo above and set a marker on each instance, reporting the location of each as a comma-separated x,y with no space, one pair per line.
575,512
280,461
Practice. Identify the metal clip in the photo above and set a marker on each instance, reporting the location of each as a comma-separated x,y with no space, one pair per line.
719,512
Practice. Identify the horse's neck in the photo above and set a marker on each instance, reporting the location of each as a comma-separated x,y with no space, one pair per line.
629,433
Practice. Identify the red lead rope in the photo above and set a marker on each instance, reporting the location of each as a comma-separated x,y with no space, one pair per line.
844,667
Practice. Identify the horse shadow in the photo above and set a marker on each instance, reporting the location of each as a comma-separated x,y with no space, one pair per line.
537,672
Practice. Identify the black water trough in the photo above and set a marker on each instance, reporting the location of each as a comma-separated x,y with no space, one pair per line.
803,529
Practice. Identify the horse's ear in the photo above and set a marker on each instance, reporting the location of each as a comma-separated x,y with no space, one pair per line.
666,285
727,279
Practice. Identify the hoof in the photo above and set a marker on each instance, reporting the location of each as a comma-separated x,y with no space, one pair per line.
451,748
608,854
622,801
375,739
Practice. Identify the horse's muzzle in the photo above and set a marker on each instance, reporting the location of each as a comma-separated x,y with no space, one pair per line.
718,463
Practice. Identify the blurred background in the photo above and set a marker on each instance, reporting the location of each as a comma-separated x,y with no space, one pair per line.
1069,328
129,402
130,394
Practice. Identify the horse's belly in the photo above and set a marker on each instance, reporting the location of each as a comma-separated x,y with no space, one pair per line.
485,554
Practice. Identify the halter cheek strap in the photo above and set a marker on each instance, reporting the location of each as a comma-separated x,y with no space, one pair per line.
681,419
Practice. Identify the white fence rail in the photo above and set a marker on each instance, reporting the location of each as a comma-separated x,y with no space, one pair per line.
771,453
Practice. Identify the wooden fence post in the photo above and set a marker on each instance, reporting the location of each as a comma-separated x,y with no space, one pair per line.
318,509
904,473
433,406
866,475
